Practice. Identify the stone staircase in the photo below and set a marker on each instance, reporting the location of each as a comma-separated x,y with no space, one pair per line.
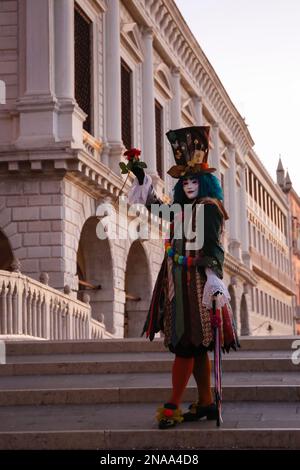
104,394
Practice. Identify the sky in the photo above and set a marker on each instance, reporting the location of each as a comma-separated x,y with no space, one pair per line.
254,47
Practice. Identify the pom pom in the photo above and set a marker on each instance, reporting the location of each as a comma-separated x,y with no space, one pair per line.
168,413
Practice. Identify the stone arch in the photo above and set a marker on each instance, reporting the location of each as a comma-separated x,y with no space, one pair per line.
233,302
6,253
244,317
138,288
95,268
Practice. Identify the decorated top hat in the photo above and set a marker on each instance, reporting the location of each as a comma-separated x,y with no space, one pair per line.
190,146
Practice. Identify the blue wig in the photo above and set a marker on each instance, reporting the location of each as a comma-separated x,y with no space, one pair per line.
209,186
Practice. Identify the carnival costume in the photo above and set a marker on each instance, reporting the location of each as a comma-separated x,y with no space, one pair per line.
182,301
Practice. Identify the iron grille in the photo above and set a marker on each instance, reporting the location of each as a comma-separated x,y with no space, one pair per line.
158,133
83,33
126,103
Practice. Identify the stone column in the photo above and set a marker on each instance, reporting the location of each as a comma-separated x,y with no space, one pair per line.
70,116
64,49
113,85
176,101
234,244
37,107
244,311
215,152
149,141
197,100
243,218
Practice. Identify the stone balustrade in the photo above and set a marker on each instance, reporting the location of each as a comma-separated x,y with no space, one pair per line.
92,145
31,308
284,281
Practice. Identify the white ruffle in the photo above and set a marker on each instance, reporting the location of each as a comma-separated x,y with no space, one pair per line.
138,193
212,285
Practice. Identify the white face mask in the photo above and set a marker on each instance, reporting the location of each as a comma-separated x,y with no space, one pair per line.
191,187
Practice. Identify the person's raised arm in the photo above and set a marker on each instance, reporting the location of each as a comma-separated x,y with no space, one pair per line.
142,190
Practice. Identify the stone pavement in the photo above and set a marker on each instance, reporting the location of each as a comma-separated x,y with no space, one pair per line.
104,394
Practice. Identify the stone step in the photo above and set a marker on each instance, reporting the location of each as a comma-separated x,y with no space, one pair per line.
139,380
104,394
143,380
139,363
133,345
139,356
96,395
246,425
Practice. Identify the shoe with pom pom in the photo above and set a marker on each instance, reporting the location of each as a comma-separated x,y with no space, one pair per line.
168,416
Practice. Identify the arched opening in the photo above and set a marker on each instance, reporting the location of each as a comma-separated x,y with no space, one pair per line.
6,254
233,302
138,290
244,317
95,273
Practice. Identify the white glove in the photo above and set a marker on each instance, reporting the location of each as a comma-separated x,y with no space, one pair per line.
214,284
138,193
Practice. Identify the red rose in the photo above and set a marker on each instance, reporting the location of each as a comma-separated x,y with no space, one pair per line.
132,154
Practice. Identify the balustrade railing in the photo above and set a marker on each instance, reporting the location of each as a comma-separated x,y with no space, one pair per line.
31,308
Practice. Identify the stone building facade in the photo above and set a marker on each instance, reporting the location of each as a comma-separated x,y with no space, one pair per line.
294,202
269,233
84,80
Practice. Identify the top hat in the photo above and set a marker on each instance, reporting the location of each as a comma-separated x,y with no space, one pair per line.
190,146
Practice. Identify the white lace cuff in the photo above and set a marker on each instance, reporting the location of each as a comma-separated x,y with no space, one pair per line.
214,284
138,193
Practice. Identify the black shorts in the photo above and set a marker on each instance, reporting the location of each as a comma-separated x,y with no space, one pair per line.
188,350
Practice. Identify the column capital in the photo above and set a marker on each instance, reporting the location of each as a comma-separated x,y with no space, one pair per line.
215,125
176,71
198,99
147,31
231,148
